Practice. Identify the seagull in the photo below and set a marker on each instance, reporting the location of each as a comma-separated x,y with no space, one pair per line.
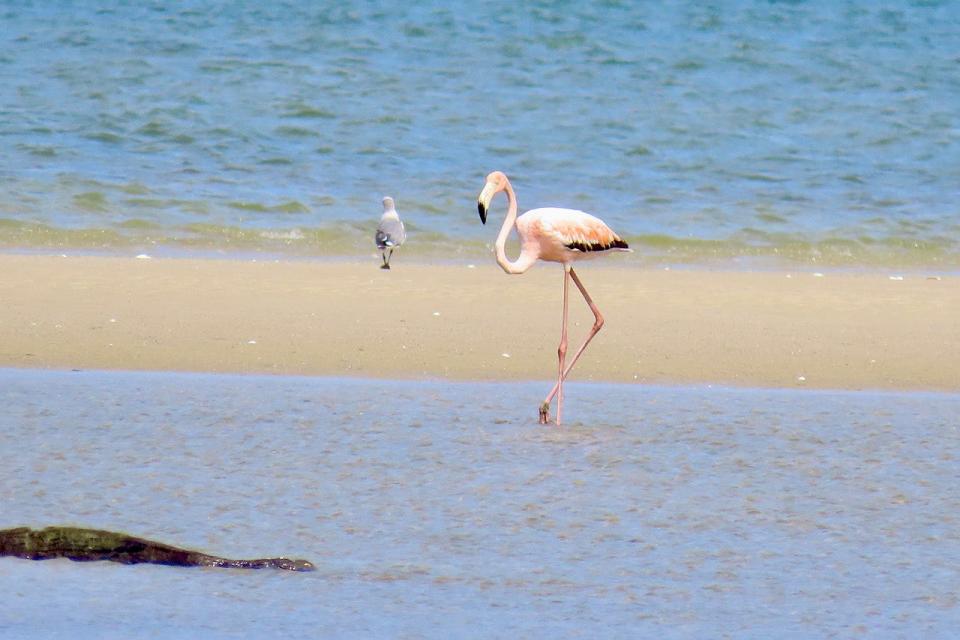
390,232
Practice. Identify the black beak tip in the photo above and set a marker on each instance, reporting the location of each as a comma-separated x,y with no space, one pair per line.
483,212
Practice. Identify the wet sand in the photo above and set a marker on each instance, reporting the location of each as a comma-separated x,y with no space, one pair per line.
768,329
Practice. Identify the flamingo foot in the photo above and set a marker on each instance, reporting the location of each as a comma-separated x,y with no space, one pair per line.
544,413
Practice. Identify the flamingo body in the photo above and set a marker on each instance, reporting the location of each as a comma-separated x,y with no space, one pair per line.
554,235
566,235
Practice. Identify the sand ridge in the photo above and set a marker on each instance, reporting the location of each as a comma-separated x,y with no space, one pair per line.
456,321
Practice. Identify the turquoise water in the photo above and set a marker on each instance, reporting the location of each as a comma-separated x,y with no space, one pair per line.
442,510
812,131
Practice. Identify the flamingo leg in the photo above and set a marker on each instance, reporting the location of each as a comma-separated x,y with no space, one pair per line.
561,357
597,325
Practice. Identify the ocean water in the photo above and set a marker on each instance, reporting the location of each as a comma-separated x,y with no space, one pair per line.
806,131
442,510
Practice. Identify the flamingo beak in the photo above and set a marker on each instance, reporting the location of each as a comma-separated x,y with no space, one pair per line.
483,201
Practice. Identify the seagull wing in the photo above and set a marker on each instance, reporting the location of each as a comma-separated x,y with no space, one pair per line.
390,234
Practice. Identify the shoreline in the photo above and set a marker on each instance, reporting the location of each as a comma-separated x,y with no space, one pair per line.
640,259
468,381
770,329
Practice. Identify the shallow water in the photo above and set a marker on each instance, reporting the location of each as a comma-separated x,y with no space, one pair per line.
441,510
813,131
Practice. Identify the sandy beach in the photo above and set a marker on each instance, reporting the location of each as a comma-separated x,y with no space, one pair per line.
456,321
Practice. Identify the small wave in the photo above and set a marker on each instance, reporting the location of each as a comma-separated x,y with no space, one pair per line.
771,218
154,129
414,31
40,151
291,206
138,224
309,112
295,132
293,234
276,162
352,238
19,234
106,137
790,250
91,201
688,65
133,188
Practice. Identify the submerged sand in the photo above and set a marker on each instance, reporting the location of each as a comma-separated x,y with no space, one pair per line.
457,321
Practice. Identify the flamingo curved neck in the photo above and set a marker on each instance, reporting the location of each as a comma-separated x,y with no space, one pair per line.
526,259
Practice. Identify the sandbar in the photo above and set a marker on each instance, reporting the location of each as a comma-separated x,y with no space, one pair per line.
456,321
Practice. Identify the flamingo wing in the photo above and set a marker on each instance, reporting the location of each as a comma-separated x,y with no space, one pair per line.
576,230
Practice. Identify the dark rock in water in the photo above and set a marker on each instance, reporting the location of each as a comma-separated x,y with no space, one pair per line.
91,544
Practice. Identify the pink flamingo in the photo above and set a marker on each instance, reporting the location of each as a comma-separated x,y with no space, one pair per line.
554,235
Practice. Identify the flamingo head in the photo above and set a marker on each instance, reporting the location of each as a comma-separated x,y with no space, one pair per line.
496,182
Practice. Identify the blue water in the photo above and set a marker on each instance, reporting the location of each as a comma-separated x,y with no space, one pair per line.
811,131
442,510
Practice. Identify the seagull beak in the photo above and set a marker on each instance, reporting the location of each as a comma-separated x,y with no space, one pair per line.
483,201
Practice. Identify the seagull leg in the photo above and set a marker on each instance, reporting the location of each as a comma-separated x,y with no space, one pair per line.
386,259
597,325
561,357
